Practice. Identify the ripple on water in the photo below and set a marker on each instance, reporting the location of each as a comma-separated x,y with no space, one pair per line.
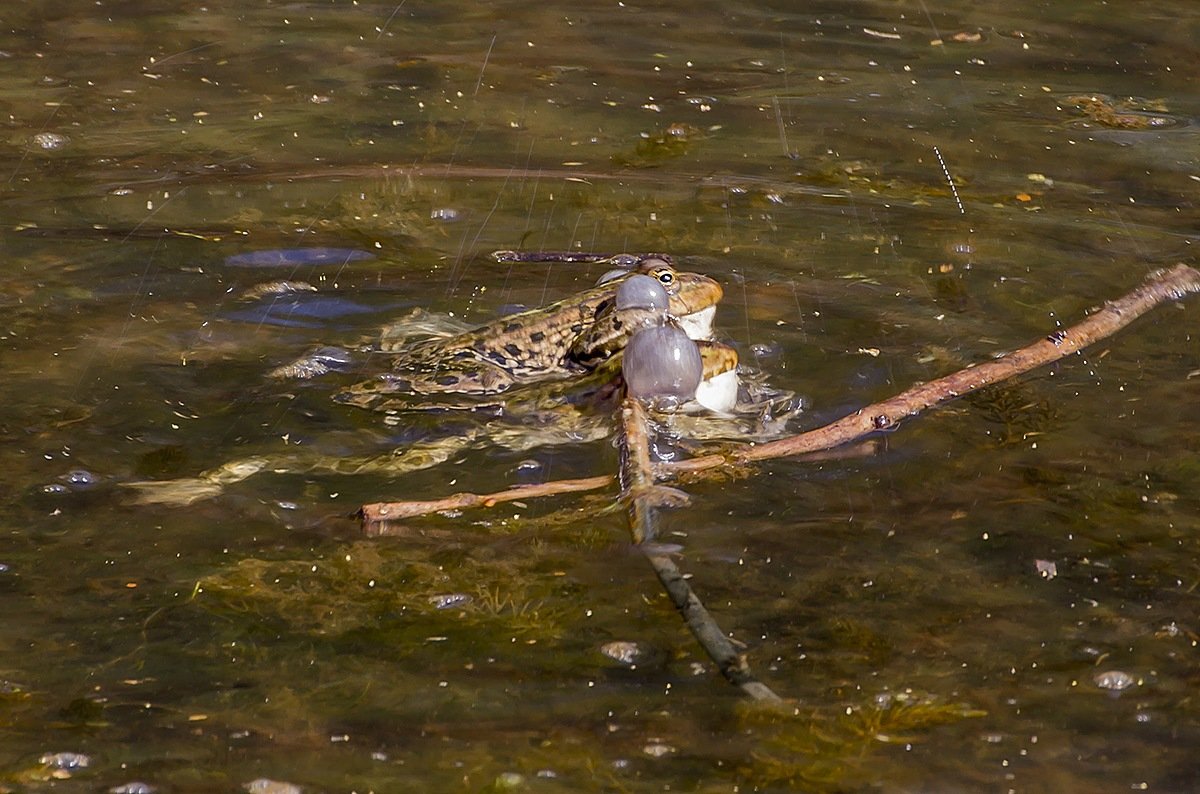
303,311
529,471
290,257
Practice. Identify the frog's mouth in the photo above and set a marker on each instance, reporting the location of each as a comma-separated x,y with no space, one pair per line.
699,325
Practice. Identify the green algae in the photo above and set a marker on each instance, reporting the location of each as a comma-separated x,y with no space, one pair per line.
366,584
828,749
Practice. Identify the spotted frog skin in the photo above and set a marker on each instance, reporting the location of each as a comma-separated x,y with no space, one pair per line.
555,342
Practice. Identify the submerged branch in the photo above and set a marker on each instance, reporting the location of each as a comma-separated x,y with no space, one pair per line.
637,477
377,516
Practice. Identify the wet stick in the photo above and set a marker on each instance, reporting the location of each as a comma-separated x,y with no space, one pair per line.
637,476
1159,287
379,518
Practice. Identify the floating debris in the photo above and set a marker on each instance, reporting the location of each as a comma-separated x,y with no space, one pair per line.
275,288
1125,114
319,362
79,479
65,761
265,785
507,781
450,600
627,653
1114,680
658,749
49,141
1046,568
635,655
133,787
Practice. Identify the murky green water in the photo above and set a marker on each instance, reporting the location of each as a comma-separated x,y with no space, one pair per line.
799,154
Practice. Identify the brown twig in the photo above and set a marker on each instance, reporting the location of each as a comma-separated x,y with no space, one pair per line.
637,476
1160,286
376,517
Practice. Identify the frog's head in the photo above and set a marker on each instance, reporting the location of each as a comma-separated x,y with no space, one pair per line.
694,303
693,297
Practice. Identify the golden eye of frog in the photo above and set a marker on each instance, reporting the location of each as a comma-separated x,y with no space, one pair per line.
535,345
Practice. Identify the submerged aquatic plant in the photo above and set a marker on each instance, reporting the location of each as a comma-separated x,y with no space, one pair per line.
1019,413
363,584
824,748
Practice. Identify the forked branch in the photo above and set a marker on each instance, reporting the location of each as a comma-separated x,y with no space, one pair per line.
1160,287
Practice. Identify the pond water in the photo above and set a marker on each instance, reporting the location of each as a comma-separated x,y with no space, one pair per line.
1001,598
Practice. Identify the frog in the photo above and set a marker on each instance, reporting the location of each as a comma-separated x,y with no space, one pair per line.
558,342
568,400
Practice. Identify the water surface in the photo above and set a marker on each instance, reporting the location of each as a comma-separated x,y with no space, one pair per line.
886,191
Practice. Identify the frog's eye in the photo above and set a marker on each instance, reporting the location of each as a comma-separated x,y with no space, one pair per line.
665,277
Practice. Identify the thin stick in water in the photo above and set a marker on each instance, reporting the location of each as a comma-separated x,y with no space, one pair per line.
638,476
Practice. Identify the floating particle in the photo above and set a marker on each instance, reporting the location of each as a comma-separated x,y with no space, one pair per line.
1114,680
449,600
49,141
1046,568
